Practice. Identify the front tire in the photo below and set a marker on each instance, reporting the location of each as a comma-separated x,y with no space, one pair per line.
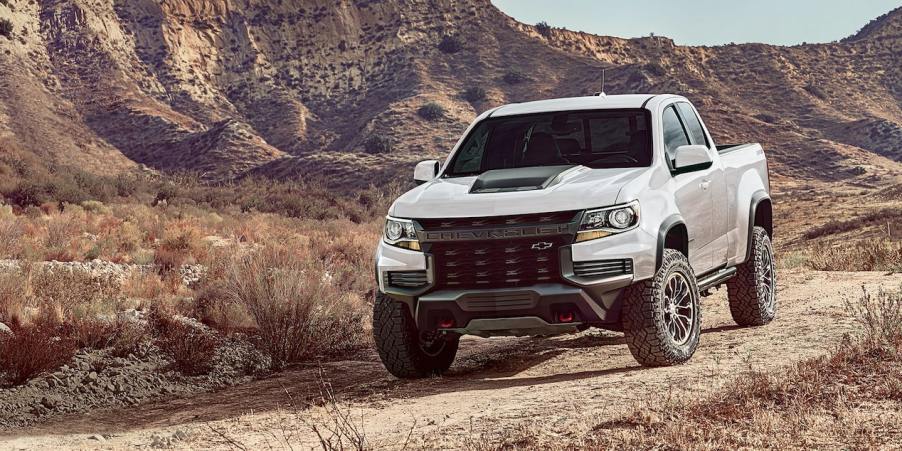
404,351
661,316
752,292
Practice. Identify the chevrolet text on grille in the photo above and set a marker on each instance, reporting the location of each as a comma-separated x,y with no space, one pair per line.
502,233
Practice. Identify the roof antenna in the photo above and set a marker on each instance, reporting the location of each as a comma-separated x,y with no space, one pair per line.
601,93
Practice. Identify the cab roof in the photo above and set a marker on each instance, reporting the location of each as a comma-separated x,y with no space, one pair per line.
622,101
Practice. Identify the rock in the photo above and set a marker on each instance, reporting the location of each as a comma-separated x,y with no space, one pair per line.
47,402
97,437
92,376
4,329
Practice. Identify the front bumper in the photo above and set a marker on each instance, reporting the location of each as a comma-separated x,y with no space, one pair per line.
572,303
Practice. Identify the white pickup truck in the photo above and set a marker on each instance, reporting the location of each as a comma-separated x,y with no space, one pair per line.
553,216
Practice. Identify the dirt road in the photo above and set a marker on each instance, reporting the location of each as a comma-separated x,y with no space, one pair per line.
561,384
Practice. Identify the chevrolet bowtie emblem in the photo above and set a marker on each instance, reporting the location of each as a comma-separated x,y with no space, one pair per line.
541,246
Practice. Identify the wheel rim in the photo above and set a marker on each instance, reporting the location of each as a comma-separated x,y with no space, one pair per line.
679,308
764,268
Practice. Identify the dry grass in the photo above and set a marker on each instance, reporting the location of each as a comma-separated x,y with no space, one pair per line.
867,255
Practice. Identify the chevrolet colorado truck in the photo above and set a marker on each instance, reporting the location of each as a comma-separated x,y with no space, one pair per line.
617,212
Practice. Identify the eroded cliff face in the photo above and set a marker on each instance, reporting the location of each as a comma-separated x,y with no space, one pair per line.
293,87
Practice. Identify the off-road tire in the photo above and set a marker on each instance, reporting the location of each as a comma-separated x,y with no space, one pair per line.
749,303
399,345
644,323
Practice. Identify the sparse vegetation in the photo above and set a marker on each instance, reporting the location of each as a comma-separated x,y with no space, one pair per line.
31,350
515,77
875,254
474,94
543,28
450,44
6,28
377,144
431,111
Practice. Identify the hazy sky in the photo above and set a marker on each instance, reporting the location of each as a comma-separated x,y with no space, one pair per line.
706,22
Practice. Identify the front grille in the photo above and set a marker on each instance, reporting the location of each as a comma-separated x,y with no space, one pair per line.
497,263
603,268
559,217
407,279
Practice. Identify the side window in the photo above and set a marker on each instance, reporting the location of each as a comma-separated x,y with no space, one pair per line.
674,135
693,125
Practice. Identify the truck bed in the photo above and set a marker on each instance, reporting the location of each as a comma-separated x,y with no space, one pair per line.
727,148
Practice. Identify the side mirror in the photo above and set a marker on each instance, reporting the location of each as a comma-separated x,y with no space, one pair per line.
691,158
426,171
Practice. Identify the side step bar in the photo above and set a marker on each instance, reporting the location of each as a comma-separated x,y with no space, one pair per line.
715,279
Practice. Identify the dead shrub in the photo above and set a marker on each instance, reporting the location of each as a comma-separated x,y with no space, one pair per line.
298,313
128,337
879,315
32,350
12,296
190,348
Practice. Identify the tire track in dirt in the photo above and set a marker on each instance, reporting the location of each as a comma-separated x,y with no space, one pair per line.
560,382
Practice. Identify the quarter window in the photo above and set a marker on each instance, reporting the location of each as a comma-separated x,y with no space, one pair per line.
674,135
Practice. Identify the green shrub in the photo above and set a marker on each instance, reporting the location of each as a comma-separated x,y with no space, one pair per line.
378,144
474,94
431,111
450,44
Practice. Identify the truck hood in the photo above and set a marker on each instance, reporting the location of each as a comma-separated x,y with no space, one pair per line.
573,189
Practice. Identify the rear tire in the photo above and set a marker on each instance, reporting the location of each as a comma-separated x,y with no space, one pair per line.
661,316
402,349
752,292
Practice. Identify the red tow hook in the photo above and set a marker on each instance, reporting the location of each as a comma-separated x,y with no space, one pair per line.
446,324
565,317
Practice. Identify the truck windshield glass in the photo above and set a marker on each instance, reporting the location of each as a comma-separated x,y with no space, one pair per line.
596,139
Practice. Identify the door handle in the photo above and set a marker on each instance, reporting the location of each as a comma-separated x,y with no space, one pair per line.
704,184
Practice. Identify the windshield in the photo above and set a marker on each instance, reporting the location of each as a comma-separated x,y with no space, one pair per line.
597,139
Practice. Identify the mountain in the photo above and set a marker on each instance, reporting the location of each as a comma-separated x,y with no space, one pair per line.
316,88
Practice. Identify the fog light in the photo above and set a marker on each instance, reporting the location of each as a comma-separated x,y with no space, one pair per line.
565,317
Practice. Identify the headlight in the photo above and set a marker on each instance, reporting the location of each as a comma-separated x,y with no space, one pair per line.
603,222
401,233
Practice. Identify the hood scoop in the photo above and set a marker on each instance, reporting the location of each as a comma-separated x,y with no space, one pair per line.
519,179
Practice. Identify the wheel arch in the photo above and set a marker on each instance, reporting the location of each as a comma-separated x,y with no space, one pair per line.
672,234
761,213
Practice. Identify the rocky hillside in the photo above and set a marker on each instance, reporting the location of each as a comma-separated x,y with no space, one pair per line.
314,87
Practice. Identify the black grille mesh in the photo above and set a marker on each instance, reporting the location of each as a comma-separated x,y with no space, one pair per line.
497,263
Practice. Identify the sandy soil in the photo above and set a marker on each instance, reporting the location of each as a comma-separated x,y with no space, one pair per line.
562,384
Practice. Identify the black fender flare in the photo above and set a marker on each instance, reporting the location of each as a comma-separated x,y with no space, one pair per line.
666,225
757,197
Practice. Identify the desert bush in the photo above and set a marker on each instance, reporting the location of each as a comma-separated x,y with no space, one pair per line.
378,144
298,313
474,94
514,77
543,28
889,217
816,91
431,111
874,254
127,338
6,28
11,232
32,350
879,315
190,347
451,44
